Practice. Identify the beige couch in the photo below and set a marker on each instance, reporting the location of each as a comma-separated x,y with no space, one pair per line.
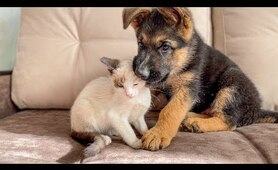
58,53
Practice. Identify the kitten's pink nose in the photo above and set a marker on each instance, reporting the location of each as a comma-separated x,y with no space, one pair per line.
129,93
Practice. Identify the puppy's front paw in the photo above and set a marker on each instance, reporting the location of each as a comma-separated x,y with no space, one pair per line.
154,140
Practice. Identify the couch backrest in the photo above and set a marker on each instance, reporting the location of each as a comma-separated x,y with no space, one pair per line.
249,36
59,49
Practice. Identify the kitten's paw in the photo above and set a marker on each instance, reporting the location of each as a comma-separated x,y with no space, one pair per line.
142,132
137,144
106,139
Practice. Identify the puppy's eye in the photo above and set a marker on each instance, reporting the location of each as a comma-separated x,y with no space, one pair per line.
165,47
135,84
140,45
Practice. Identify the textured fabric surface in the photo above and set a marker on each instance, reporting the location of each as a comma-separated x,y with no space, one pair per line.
37,137
59,51
42,136
264,138
249,37
6,106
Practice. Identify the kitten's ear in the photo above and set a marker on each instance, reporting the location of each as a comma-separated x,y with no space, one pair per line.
111,64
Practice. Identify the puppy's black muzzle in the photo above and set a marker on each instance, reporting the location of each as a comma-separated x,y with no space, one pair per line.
142,72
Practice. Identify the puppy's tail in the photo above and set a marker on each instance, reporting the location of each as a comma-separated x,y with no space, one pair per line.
267,117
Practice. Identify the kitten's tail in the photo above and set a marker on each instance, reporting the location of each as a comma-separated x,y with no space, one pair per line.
96,142
267,117
100,142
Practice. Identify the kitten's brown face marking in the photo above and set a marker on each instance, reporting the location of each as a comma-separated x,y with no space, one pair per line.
124,79
119,82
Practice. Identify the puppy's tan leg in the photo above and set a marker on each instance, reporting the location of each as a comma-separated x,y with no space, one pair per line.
206,124
168,123
200,115
218,122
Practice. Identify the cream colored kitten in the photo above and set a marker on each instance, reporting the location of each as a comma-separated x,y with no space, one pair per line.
107,106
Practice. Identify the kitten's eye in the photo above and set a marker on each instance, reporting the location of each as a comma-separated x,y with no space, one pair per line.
120,86
135,84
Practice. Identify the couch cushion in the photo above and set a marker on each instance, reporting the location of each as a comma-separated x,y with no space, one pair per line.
249,37
257,135
59,50
6,106
42,136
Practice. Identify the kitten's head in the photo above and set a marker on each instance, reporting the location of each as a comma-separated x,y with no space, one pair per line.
125,81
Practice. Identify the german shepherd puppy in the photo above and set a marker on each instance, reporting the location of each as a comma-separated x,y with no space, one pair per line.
194,76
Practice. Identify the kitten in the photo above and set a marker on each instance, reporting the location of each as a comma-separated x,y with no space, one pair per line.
107,106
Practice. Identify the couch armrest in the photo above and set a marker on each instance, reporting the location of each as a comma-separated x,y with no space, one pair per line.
6,105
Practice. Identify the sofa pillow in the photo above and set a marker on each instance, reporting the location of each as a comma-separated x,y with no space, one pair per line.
249,37
59,50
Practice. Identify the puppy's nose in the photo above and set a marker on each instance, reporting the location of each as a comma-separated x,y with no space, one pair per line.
142,72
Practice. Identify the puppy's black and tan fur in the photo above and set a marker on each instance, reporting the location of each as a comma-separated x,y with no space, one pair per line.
194,76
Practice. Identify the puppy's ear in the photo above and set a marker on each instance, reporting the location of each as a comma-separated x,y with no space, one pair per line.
112,64
176,15
134,16
180,17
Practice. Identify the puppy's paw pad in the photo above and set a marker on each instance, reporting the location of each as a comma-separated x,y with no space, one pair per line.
153,140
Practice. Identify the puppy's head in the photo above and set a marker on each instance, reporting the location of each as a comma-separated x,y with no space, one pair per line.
163,36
